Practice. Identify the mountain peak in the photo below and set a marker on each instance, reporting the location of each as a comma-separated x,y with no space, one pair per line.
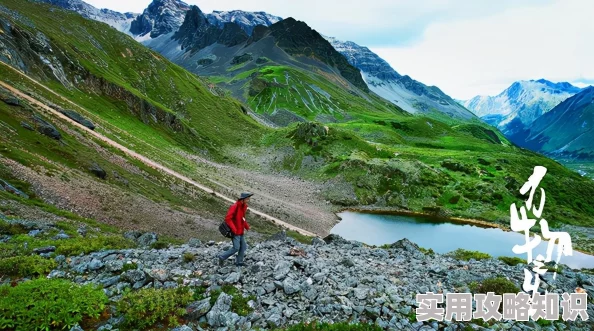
160,17
248,21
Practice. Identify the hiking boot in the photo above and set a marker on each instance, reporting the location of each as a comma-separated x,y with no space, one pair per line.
221,262
240,264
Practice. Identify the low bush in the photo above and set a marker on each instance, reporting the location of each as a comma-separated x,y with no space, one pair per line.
26,266
159,245
144,308
512,261
189,257
462,254
498,285
44,304
77,246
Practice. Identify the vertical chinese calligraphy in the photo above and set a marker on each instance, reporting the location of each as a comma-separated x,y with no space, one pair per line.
522,223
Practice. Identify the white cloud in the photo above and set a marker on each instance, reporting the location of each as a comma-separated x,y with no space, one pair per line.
485,55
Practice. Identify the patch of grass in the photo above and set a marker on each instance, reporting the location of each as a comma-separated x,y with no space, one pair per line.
299,237
239,303
462,254
26,266
188,257
49,304
129,266
144,308
512,261
12,228
498,285
159,244
425,251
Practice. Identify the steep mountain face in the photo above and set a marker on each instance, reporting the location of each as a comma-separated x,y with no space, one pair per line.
196,32
521,104
566,131
246,20
159,18
403,91
120,21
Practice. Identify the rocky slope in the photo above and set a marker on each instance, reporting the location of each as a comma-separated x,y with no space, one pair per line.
517,107
407,93
566,131
330,280
159,18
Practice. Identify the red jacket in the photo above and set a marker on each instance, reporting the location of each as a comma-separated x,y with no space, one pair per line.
237,223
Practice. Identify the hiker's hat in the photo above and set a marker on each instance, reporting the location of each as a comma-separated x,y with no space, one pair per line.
245,195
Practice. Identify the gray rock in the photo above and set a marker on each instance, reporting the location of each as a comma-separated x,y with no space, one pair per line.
170,285
290,286
274,320
45,128
347,263
269,287
147,239
76,328
182,328
60,259
361,293
134,276
47,249
193,242
216,315
33,233
56,274
95,264
317,242
197,309
282,269
160,274
232,278
61,236
107,282
27,126
132,235
114,265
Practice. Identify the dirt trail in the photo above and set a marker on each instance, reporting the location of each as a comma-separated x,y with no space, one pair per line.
137,156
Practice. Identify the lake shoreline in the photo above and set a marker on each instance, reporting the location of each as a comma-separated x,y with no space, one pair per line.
455,220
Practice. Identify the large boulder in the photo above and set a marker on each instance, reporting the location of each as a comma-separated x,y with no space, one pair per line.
196,310
98,171
78,118
45,128
216,316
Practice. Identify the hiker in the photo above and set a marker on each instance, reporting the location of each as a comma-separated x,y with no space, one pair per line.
235,219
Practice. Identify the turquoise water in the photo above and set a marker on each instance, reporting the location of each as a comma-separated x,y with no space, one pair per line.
443,237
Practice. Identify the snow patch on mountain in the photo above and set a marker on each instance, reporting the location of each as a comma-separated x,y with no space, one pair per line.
525,101
247,20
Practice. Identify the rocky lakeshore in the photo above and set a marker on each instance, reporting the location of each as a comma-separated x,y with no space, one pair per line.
331,280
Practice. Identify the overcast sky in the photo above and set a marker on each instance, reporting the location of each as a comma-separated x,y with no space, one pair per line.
465,47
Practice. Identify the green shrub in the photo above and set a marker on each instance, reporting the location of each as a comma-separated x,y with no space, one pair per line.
44,304
343,326
462,254
512,261
498,285
189,257
144,308
159,245
239,302
129,266
12,229
26,266
425,251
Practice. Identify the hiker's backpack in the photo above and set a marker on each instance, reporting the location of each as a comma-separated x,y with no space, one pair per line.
224,229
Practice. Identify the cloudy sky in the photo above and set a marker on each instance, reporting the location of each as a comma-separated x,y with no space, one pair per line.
465,47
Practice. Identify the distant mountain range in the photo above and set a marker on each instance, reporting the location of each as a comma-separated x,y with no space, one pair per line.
566,131
516,108
160,28
407,93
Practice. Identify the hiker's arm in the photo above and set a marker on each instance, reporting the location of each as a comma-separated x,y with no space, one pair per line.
245,224
229,219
